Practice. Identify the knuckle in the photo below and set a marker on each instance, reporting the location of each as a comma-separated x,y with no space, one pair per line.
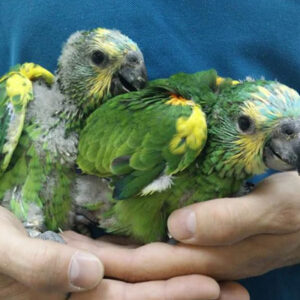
282,206
261,263
263,256
10,289
226,218
129,274
166,290
285,218
45,269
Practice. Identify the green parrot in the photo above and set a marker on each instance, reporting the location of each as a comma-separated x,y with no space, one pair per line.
40,124
186,139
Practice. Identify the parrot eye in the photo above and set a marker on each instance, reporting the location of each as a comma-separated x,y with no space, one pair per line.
98,57
245,124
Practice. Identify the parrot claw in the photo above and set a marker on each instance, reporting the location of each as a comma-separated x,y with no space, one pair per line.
51,236
170,240
245,189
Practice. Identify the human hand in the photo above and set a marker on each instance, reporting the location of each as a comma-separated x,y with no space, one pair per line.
150,262
253,234
37,269
33,269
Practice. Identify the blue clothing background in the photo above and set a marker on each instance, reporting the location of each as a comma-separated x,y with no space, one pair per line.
238,38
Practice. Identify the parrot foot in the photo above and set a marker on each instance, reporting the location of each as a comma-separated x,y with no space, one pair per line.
36,233
245,189
170,240
51,236
84,221
82,229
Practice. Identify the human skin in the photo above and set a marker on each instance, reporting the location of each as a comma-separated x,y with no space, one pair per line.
33,269
251,235
243,237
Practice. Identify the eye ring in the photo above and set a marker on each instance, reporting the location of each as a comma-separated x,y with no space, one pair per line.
245,124
98,57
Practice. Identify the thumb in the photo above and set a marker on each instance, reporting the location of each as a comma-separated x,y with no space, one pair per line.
273,207
45,265
215,222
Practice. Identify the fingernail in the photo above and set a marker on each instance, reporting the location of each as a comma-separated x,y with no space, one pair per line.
85,271
182,224
233,291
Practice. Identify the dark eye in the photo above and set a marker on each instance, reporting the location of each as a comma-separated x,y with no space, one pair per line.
245,124
98,57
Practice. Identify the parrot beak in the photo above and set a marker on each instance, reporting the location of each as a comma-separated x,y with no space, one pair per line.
282,151
132,75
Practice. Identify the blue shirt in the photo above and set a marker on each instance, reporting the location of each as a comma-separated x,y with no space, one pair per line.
237,38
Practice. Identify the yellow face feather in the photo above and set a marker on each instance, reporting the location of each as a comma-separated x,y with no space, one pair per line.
115,48
251,153
251,145
268,106
252,110
103,37
99,90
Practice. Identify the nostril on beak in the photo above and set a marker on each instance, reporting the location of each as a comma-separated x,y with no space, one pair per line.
132,57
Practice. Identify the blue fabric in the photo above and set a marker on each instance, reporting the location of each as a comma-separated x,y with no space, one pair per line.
238,38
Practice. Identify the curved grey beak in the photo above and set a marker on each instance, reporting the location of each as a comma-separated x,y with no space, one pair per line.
132,75
282,151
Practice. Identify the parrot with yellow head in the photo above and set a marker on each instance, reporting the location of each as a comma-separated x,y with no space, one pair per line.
185,139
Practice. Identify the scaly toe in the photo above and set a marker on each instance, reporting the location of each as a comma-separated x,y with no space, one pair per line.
51,236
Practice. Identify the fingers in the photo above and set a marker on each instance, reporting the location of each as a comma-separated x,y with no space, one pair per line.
233,291
191,287
250,257
135,265
273,207
215,222
45,265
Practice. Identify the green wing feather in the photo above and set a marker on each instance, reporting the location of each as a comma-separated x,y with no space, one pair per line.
15,93
136,137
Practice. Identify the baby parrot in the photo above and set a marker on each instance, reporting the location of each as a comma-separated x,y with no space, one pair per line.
186,139
40,124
